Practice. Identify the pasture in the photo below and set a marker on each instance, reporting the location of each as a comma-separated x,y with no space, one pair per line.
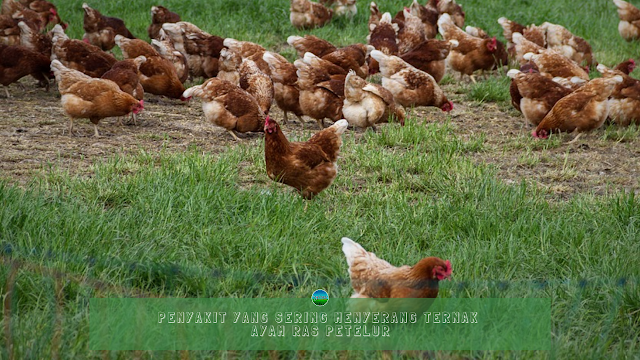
175,207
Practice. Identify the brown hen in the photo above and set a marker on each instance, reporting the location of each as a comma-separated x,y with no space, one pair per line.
159,16
17,61
583,110
309,43
372,277
629,26
84,97
228,106
538,94
285,87
257,84
624,104
471,53
321,86
79,55
101,30
310,166
306,14
430,56
366,104
410,86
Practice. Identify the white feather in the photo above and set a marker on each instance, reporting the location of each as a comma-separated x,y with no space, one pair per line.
513,73
351,249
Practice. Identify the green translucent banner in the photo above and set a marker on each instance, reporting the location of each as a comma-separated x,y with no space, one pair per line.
299,324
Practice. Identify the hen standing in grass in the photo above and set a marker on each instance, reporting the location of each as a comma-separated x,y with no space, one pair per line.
471,53
307,14
372,277
101,30
629,26
159,16
310,166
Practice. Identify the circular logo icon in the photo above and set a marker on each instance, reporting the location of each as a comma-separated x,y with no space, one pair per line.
320,297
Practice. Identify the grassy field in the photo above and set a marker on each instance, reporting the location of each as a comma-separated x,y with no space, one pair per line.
201,224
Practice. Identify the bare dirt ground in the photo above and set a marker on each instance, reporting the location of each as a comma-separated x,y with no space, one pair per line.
34,139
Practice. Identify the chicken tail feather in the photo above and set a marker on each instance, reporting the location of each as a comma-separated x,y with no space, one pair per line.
192,91
351,250
340,126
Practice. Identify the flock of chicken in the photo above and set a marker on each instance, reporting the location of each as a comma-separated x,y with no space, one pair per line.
552,88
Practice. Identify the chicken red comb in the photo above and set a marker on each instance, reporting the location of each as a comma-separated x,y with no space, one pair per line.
53,11
138,108
441,273
267,120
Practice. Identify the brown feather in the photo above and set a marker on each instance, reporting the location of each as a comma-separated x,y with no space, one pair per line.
307,166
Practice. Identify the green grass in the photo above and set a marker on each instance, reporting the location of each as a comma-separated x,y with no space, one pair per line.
190,225
493,89
213,225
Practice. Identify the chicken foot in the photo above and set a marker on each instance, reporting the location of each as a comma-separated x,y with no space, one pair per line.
71,133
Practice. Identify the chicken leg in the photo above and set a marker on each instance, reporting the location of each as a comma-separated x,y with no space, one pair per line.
6,91
235,137
70,127
95,130
574,139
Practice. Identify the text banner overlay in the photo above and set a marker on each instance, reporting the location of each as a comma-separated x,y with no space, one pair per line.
341,324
